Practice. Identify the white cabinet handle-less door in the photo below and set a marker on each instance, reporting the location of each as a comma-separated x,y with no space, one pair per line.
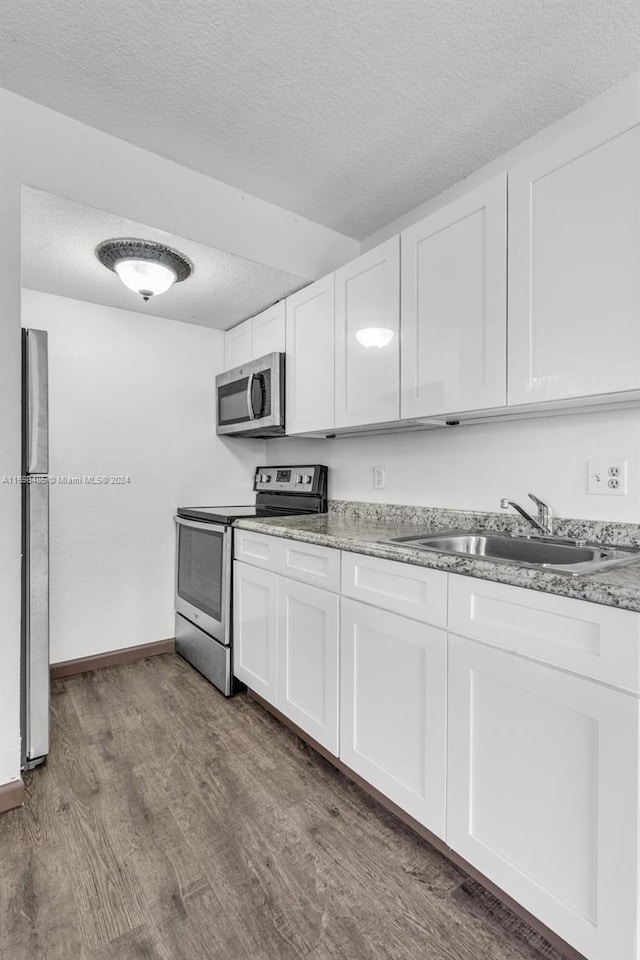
574,267
368,305
308,659
255,629
238,345
392,708
310,358
268,330
542,793
454,306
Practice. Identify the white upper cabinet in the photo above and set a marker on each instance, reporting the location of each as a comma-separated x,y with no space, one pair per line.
367,327
262,334
238,345
574,267
269,331
310,358
454,303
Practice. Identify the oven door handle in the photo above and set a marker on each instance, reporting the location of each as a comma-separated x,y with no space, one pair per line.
214,527
252,414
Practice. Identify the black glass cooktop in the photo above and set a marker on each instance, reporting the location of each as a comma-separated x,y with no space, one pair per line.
229,514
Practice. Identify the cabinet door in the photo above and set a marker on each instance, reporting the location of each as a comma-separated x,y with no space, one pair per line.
308,659
310,360
574,282
542,793
255,623
367,335
269,331
392,708
238,345
454,306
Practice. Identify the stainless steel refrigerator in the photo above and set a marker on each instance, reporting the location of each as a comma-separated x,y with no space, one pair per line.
35,549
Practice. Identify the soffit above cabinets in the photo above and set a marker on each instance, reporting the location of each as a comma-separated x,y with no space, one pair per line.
59,238
350,114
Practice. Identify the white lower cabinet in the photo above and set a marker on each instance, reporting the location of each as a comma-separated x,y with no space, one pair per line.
528,770
393,708
286,648
255,649
542,793
308,660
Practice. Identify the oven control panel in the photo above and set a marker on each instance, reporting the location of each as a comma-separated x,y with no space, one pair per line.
300,479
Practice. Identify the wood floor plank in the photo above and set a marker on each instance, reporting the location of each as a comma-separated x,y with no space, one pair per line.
173,824
36,889
143,943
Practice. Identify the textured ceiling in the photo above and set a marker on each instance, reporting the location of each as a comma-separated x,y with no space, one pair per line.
350,113
59,238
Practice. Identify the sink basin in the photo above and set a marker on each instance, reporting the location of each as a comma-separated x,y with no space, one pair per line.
566,556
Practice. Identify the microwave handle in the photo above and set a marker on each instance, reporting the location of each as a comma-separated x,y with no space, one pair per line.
252,414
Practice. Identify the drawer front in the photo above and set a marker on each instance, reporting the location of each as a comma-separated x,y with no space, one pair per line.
588,638
409,590
319,566
258,549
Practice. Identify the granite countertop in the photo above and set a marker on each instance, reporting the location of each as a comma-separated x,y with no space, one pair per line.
359,528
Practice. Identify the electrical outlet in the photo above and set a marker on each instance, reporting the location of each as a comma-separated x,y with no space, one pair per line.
378,478
607,477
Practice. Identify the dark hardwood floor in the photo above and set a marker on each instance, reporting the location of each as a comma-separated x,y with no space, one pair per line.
171,823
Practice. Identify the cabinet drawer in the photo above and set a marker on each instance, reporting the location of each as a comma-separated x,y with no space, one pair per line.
587,638
412,591
258,549
319,566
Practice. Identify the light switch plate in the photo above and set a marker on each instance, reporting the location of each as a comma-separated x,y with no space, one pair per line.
607,477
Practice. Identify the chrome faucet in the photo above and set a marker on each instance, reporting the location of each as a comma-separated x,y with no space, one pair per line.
544,522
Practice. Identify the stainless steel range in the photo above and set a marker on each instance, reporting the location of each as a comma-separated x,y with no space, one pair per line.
204,563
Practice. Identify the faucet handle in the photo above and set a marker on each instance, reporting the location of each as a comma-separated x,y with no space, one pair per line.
544,512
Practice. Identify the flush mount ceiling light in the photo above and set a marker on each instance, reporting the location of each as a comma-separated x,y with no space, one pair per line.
145,267
374,336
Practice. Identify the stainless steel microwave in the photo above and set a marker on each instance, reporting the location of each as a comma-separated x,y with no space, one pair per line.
250,399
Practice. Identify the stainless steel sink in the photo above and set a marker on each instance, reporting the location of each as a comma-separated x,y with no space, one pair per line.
552,553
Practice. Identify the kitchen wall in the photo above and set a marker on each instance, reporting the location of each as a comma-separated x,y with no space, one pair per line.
10,444
133,396
59,155
472,467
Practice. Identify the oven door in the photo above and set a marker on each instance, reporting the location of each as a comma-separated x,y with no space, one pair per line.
250,399
203,576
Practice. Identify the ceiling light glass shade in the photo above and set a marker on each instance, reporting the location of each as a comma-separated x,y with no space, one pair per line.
374,336
145,276
144,266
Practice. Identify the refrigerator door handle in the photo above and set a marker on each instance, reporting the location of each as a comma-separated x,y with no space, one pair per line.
37,400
